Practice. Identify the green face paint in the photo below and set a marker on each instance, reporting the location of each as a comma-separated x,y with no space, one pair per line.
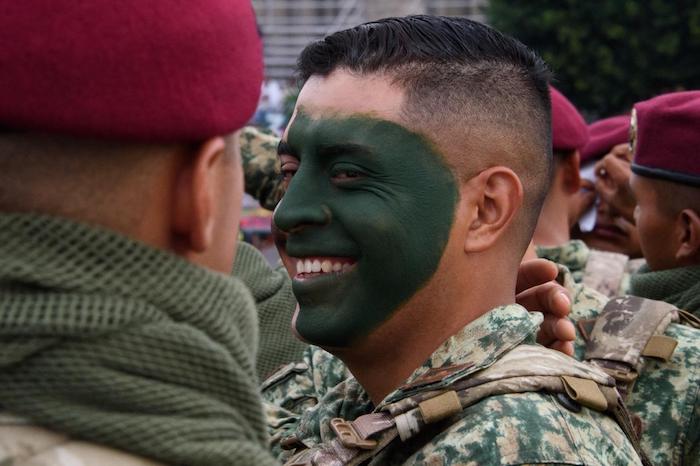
370,198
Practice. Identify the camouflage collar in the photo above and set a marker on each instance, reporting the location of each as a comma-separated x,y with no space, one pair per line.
573,254
477,346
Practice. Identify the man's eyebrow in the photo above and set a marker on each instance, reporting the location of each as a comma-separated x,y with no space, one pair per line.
284,149
330,150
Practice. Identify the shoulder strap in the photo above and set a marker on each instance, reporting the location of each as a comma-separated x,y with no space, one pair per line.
604,271
628,329
527,368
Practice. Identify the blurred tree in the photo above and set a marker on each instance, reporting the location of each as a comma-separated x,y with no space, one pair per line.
607,55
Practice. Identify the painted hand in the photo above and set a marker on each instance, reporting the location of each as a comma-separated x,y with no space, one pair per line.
536,290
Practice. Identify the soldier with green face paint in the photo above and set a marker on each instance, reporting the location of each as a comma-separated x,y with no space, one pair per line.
417,160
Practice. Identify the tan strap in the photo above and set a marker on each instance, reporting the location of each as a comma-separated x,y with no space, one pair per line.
441,407
625,420
688,318
660,347
585,392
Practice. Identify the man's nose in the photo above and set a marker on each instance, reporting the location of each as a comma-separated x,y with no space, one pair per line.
302,205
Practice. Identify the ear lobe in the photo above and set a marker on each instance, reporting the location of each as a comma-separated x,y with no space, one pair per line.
497,196
690,235
193,219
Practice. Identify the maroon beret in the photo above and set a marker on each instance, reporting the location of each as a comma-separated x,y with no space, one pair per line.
665,137
604,135
569,130
145,70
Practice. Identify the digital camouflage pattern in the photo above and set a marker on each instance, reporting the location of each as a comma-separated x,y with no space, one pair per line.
261,167
607,272
298,387
24,444
528,428
666,395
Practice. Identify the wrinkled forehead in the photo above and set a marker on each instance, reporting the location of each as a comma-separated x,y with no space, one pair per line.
342,94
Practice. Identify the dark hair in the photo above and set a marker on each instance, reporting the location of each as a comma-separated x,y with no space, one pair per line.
458,75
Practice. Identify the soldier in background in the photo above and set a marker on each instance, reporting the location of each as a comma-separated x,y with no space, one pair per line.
665,182
622,336
403,236
604,271
123,338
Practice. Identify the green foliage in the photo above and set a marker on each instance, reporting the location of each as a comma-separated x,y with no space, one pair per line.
607,55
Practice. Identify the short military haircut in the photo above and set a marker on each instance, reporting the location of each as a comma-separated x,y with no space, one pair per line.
465,82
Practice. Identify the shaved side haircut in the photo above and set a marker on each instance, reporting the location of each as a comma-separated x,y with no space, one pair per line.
482,96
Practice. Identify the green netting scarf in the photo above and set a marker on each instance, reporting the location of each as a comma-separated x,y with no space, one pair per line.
113,342
680,287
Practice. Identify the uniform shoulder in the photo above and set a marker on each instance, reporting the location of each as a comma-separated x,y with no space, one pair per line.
528,428
305,382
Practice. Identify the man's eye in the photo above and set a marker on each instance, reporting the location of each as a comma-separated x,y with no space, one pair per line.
287,170
346,175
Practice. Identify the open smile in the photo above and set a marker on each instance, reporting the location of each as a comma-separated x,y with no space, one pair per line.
318,266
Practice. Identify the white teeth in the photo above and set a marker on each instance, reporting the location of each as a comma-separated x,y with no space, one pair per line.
321,266
326,266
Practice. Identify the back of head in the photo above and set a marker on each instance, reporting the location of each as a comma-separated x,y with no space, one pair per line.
481,96
155,71
96,93
569,135
569,130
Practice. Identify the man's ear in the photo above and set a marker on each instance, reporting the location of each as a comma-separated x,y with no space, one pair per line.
571,166
495,196
193,219
689,228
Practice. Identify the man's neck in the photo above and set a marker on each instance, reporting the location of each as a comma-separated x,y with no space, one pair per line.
385,359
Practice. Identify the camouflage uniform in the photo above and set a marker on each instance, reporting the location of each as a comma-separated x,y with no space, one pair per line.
24,444
666,396
525,428
606,272
261,166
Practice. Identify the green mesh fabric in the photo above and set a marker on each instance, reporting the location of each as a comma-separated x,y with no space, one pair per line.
680,286
113,342
272,290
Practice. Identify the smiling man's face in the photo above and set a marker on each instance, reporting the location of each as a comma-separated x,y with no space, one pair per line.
368,209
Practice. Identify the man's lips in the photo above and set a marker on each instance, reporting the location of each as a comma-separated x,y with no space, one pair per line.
316,266
609,231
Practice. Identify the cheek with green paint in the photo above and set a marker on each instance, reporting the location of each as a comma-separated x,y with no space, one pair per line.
367,215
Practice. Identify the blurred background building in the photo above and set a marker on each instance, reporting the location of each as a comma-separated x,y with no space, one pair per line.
289,25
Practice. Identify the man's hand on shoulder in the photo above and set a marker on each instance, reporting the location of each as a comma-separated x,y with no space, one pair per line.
537,290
